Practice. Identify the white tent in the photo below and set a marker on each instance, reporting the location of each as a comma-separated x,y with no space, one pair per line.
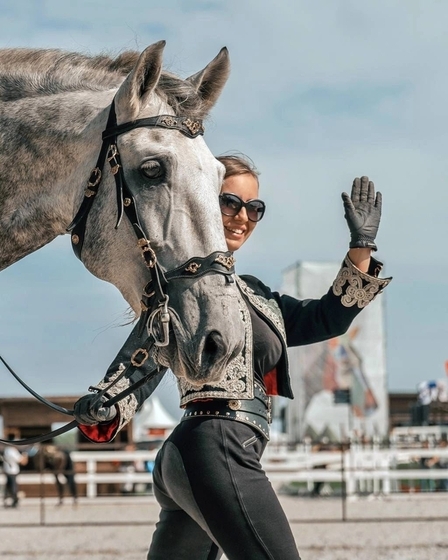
152,421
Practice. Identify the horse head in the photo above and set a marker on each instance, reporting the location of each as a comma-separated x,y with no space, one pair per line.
173,181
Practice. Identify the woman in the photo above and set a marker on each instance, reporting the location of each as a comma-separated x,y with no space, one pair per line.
213,493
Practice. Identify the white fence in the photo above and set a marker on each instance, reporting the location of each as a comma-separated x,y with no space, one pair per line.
91,460
361,470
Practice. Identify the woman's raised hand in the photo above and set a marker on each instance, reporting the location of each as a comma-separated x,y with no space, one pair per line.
363,213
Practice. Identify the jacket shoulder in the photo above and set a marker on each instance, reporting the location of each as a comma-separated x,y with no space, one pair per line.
257,286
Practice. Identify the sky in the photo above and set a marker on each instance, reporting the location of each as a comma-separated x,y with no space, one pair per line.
319,93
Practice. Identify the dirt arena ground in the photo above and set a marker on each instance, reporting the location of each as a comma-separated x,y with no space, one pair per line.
391,528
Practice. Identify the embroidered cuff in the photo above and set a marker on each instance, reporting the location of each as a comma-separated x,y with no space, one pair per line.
128,406
356,287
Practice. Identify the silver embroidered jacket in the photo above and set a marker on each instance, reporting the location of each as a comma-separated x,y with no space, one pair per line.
296,323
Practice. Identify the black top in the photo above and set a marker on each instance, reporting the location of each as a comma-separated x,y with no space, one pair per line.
267,346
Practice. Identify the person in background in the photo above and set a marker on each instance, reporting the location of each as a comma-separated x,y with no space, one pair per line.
426,484
12,461
440,462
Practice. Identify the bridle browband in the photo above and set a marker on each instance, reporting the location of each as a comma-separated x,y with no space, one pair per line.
155,314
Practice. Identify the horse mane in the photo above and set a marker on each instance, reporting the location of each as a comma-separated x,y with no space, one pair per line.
27,73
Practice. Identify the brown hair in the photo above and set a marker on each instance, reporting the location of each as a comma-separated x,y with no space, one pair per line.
238,165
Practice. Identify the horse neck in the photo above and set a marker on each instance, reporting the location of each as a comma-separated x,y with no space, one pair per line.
47,150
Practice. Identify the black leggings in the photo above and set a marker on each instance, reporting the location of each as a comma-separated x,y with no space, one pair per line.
216,498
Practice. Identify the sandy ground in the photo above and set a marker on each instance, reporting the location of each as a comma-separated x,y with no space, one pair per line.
391,528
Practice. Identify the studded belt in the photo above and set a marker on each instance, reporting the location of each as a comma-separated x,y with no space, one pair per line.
255,412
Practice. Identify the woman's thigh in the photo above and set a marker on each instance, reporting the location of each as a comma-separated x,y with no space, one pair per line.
179,537
221,459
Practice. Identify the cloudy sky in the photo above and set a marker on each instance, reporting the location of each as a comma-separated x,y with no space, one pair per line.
320,92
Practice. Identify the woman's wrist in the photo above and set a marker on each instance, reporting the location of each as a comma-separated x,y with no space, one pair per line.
360,257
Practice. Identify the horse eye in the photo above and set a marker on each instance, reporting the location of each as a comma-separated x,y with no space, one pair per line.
151,169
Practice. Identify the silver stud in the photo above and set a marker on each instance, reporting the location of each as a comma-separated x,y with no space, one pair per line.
234,404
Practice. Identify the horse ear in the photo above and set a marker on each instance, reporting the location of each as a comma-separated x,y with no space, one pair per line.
210,81
134,92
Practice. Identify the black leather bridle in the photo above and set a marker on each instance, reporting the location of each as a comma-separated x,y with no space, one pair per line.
155,314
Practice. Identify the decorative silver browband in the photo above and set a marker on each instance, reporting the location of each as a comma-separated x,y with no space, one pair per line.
188,126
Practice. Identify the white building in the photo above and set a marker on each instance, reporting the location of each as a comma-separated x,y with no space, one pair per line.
355,362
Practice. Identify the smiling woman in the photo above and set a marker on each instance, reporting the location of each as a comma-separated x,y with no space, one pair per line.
240,206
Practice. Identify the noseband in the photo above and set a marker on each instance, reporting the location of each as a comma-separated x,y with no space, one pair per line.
155,300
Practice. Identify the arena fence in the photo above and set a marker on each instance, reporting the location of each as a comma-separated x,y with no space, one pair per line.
348,473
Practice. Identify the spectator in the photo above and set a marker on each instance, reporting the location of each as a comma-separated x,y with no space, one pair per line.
440,462
426,484
12,460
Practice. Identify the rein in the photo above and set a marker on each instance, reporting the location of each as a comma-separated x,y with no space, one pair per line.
154,304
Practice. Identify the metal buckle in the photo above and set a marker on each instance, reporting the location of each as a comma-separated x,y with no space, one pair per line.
144,356
162,337
112,155
95,177
147,252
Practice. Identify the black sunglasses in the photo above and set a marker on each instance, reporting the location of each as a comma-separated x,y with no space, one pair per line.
231,205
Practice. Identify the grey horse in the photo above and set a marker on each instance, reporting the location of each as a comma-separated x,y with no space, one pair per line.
54,106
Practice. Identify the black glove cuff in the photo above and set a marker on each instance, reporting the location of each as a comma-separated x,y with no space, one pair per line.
363,243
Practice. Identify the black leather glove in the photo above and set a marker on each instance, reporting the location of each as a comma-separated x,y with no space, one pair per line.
363,213
89,410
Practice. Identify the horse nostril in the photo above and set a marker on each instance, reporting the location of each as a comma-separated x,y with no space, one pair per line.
213,344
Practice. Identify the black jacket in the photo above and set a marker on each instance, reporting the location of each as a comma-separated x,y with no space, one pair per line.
296,322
